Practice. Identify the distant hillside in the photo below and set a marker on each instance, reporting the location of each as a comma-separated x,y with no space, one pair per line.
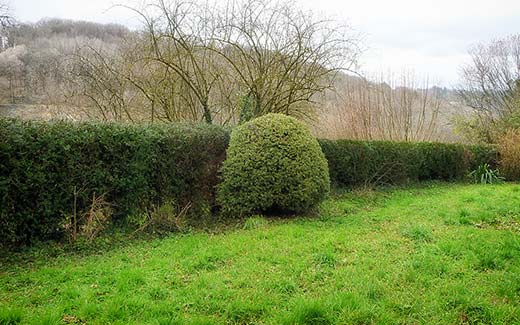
31,33
32,66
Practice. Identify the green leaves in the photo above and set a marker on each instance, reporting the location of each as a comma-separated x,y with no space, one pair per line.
485,175
273,163
134,166
354,162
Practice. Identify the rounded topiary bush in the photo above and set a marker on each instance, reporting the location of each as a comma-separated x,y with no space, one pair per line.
273,164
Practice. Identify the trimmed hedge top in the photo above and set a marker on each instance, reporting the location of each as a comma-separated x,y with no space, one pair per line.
273,163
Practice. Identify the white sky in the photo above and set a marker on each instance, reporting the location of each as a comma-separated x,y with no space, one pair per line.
429,37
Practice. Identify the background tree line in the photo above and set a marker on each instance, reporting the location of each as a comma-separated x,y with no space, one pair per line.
229,62
188,61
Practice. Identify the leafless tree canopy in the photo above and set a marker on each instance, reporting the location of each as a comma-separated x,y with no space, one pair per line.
390,107
281,56
235,60
492,78
492,81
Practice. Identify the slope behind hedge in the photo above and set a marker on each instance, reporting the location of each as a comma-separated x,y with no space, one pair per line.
42,164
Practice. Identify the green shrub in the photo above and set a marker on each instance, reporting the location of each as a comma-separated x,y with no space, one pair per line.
440,161
483,174
353,162
360,162
43,165
273,163
478,155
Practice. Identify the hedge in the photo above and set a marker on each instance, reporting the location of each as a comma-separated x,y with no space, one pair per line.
353,163
43,164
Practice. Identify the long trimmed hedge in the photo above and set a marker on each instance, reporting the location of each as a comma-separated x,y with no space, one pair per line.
354,162
43,164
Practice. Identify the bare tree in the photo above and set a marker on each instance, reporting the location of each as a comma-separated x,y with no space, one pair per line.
166,95
257,55
7,22
492,82
281,56
96,85
178,36
12,68
196,61
387,108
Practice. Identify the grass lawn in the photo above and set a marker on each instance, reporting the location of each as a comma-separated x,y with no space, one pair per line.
439,253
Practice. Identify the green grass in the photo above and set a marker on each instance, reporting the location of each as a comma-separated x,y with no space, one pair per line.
432,254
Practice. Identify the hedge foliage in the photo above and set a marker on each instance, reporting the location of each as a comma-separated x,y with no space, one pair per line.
273,163
43,164
353,163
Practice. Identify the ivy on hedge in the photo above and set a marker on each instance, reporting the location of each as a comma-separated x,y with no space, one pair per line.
43,164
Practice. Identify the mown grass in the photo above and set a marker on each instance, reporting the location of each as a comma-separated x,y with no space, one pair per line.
433,254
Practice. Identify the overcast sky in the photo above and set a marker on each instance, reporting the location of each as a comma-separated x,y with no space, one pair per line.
428,37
